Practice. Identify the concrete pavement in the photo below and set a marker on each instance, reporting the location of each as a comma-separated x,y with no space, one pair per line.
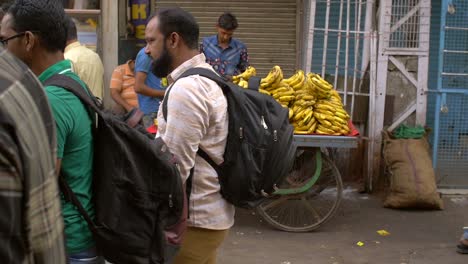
416,237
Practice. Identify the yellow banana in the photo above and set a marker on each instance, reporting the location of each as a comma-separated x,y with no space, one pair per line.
345,128
291,79
271,77
342,111
249,72
243,83
291,113
299,114
326,112
344,132
322,82
308,97
340,120
312,127
305,103
308,117
319,116
285,93
324,107
264,92
302,132
341,115
287,98
325,129
320,132
299,79
335,128
326,123
279,90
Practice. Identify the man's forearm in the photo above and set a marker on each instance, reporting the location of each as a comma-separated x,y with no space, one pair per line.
119,100
146,90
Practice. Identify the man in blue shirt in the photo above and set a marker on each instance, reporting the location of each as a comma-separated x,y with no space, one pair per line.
227,55
148,88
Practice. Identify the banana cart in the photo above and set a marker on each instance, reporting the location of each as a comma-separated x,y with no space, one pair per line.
311,193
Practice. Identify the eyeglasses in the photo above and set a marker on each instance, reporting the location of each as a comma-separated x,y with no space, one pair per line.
4,42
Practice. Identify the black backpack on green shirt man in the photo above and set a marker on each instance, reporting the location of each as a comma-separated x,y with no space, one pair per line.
137,190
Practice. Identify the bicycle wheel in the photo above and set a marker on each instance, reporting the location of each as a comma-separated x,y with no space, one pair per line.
309,210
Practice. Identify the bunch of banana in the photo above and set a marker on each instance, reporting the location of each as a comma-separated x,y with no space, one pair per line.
273,79
321,87
331,116
243,83
283,94
249,72
303,120
297,80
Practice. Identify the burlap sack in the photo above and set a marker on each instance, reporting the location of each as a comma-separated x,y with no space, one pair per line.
412,178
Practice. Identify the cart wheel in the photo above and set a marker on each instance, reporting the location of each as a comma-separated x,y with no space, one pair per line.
309,210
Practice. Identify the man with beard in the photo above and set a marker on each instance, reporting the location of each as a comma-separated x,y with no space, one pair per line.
36,32
148,88
196,118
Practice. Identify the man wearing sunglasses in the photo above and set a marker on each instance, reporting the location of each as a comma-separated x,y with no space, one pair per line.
35,31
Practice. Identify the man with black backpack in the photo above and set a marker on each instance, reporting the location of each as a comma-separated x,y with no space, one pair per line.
196,118
35,31
235,145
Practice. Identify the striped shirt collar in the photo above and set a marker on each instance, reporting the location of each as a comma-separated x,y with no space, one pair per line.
192,63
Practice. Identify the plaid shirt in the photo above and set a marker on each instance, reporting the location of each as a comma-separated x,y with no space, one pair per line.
230,61
31,225
197,118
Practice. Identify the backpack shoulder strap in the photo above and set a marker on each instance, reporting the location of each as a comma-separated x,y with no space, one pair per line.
75,88
197,71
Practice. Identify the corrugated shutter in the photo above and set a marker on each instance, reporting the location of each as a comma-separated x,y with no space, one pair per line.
268,28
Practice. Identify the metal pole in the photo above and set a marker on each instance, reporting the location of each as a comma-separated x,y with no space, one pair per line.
325,39
338,48
443,19
372,98
356,53
368,28
345,97
310,36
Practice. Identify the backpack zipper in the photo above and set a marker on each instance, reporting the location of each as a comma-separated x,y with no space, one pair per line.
171,203
275,135
241,133
264,123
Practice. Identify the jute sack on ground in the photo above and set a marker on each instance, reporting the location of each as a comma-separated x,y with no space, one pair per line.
412,178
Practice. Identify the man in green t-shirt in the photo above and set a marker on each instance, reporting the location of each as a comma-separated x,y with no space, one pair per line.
35,31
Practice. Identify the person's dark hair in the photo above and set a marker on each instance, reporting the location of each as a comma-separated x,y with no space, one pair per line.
4,8
227,21
71,29
46,18
179,21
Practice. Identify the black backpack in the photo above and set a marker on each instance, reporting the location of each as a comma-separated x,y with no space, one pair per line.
260,150
137,188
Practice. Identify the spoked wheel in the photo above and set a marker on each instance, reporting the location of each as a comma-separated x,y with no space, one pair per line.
308,210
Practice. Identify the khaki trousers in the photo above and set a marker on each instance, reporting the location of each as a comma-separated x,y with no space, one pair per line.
200,246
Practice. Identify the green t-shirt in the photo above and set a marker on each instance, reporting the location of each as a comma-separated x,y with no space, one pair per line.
75,149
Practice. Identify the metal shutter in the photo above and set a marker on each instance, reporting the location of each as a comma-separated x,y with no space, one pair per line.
268,28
